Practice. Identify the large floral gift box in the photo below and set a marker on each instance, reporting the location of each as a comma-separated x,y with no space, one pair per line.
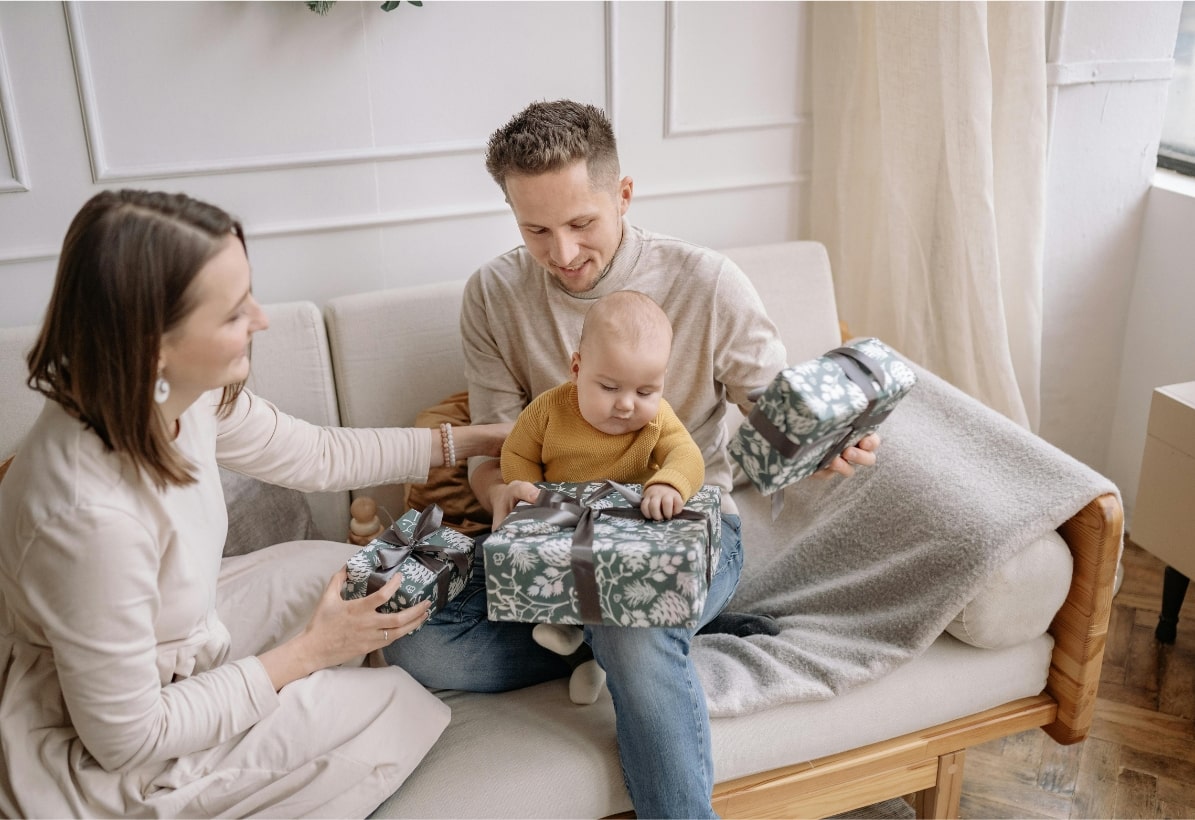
583,553
813,411
435,562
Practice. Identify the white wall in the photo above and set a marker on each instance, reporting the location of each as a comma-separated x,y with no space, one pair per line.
1110,65
351,145
1109,68
1159,346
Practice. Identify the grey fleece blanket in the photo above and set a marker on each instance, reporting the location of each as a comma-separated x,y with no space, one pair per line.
866,572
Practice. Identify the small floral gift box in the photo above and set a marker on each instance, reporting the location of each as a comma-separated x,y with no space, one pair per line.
813,411
434,561
583,553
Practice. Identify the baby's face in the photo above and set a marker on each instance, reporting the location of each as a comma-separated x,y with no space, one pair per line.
619,385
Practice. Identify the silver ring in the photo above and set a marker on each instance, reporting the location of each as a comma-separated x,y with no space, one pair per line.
386,634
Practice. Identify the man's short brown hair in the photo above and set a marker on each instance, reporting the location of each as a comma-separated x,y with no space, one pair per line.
548,136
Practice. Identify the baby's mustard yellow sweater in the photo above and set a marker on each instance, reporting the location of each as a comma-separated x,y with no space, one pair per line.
551,441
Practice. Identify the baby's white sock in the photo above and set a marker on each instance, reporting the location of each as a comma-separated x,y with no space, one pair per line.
561,639
586,683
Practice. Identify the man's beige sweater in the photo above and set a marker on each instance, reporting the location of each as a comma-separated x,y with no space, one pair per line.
519,328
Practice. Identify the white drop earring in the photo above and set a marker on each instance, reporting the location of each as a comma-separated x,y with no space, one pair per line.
161,389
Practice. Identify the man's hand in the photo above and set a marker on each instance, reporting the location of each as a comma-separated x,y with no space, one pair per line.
661,501
504,497
861,455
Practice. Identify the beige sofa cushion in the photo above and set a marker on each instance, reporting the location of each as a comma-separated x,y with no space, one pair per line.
292,367
395,353
544,756
1021,598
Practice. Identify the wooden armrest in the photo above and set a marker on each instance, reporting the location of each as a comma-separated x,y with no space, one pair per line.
1080,628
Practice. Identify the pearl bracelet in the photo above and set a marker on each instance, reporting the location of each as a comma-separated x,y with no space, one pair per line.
447,445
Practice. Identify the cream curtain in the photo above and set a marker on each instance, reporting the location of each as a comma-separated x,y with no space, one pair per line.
928,184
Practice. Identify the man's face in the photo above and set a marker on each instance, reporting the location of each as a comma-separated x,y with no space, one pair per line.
570,228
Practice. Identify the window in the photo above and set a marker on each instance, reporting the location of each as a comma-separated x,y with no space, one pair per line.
1177,148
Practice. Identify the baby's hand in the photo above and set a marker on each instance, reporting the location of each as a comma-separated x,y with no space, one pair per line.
661,501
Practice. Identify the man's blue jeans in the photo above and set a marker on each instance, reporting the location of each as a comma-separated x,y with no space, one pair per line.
661,716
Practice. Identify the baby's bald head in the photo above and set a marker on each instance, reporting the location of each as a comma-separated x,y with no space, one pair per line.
630,318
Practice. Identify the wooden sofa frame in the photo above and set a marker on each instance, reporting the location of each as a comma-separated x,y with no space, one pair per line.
928,764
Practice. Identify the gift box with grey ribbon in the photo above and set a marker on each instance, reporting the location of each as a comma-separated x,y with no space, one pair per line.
583,553
435,562
813,411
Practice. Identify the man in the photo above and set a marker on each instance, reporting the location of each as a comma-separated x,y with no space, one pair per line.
557,163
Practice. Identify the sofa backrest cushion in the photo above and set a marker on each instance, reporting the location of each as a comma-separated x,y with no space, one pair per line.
794,280
395,353
292,367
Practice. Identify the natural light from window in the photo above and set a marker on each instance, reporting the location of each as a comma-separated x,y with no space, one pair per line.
1177,149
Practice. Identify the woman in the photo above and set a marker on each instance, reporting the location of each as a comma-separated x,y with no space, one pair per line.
122,691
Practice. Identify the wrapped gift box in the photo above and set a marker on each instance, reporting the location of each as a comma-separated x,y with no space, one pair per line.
584,554
813,411
435,562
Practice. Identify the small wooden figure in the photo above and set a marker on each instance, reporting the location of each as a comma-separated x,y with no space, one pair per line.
365,525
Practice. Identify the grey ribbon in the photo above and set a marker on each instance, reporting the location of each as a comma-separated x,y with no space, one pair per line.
415,546
563,510
860,369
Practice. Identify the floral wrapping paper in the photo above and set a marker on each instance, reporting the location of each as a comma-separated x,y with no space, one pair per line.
647,573
420,581
820,409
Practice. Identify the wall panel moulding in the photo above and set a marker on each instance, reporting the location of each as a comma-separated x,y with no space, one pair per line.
17,177
104,171
673,126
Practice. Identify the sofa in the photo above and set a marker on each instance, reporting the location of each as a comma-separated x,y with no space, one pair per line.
382,358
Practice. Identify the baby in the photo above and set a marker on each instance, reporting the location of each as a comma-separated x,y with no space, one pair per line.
609,421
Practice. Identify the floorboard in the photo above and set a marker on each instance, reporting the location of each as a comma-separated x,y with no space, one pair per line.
1138,761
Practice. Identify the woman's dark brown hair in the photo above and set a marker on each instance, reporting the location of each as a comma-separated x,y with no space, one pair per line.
123,280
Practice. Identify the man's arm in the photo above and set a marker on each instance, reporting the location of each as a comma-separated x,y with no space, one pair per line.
494,395
751,354
494,392
497,497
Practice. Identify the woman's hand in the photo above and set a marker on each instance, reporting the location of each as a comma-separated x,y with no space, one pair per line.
341,630
860,455
479,439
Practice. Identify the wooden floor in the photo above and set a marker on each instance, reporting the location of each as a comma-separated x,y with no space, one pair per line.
1139,758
